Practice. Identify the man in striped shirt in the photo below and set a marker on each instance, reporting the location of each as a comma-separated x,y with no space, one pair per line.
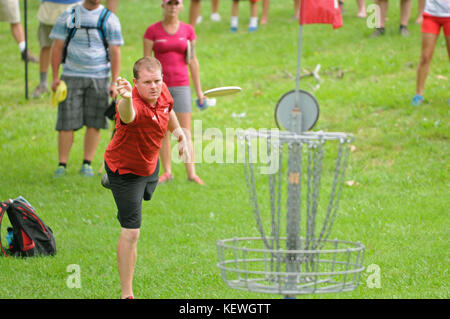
87,68
144,115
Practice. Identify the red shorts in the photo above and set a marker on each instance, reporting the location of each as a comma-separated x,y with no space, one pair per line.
432,24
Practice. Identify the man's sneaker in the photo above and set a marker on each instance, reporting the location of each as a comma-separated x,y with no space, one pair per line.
233,29
378,32
404,31
86,170
61,171
252,29
40,90
27,55
199,20
417,100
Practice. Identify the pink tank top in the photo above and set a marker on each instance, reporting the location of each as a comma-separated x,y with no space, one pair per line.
170,50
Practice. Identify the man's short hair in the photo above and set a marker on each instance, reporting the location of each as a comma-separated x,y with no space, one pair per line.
149,63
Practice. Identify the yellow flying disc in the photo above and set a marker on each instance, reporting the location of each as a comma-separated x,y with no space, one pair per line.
60,94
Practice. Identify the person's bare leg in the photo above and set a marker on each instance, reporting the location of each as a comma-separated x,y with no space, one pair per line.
194,12
235,9
165,155
447,41
17,32
428,45
265,12
44,59
234,15
361,8
297,9
19,35
405,11
215,6
384,5
126,259
185,122
91,140
65,141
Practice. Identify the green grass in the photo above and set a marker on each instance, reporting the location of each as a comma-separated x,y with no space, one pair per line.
398,210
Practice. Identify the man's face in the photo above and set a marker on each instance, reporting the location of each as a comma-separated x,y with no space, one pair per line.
149,85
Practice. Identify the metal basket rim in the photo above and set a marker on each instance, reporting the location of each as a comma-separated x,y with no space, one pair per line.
304,136
358,246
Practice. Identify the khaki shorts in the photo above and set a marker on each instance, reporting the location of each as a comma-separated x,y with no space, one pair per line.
43,35
9,11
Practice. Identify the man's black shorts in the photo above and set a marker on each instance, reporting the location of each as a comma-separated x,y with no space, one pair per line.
128,191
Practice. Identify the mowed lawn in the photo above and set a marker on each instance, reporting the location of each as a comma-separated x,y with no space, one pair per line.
398,207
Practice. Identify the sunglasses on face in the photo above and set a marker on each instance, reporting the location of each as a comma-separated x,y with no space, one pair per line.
173,3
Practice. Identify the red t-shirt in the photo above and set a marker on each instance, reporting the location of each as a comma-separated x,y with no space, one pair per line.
170,50
135,146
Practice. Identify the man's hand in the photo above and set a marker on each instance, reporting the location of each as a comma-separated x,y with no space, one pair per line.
55,84
113,90
183,144
124,88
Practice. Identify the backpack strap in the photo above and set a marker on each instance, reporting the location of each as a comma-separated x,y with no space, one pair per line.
3,207
70,35
101,26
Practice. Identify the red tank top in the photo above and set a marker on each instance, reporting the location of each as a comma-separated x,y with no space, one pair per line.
135,146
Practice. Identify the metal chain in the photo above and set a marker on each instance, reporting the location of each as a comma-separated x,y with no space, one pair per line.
250,178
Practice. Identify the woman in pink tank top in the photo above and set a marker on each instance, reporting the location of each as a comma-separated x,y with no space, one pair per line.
168,41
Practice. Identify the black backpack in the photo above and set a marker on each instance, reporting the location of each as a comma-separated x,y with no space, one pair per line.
104,15
31,236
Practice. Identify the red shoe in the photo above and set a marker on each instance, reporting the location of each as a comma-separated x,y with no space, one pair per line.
165,178
196,179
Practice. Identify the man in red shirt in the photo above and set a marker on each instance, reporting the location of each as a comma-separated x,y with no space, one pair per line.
131,159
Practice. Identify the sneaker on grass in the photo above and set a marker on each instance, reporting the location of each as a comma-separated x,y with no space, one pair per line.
86,170
417,100
61,171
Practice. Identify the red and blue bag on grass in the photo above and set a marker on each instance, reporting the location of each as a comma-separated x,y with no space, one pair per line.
30,235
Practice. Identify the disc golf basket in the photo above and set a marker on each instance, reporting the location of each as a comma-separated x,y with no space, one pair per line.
295,209
295,204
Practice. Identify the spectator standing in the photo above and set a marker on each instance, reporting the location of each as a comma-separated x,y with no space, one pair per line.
48,13
88,62
436,16
10,12
168,41
194,12
253,24
405,12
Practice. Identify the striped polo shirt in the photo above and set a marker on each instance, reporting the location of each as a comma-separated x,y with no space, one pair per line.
86,55
135,146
